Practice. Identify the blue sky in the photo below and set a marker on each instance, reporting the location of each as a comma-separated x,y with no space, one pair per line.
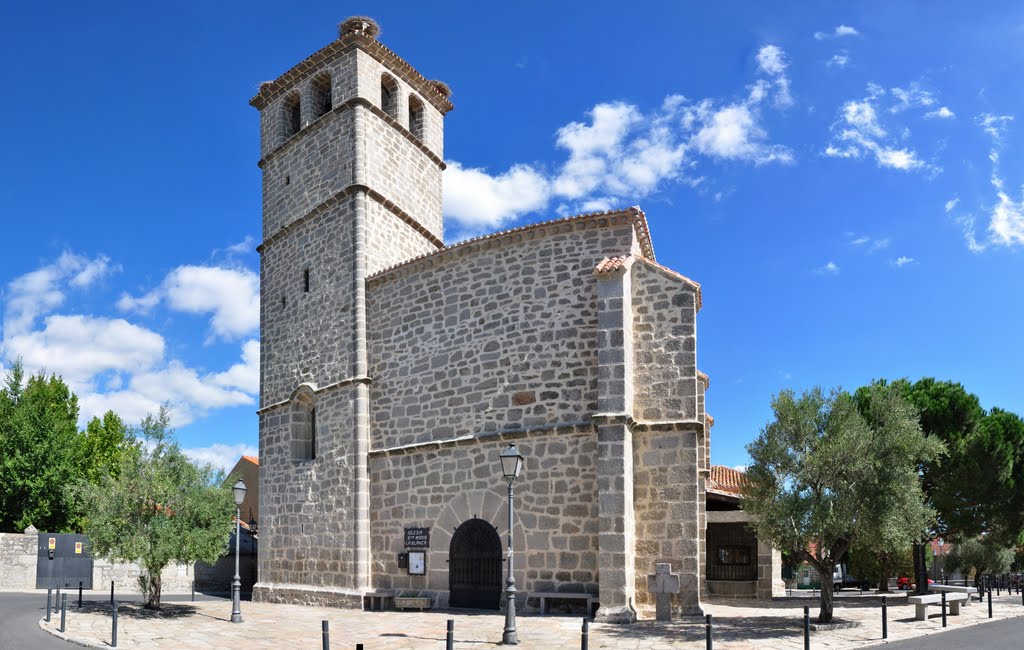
843,179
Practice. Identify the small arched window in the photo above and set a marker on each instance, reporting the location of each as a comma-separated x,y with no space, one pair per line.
389,96
320,95
303,424
416,117
291,115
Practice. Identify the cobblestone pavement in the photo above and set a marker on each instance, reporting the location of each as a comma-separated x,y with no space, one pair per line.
737,625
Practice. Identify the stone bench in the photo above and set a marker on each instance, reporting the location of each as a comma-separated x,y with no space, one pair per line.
377,601
954,589
413,602
921,603
543,597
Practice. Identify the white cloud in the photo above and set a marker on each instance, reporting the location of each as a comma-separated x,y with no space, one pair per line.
840,60
242,247
942,113
772,60
858,131
838,32
244,376
38,292
902,261
231,295
830,267
868,244
860,241
951,204
1006,216
220,455
80,347
618,155
913,96
734,133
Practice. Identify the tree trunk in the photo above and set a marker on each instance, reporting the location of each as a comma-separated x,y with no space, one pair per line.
920,568
149,580
825,613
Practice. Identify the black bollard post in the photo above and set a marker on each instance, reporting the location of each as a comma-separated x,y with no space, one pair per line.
990,601
113,632
193,591
325,632
449,643
49,602
885,618
707,631
807,628
63,611
359,646
56,603
111,592
585,635
79,594
999,580
943,609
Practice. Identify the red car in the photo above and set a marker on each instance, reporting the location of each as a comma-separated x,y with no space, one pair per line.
904,583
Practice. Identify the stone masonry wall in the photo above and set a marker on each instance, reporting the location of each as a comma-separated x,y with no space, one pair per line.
18,553
306,507
389,240
440,487
665,340
304,337
667,494
501,337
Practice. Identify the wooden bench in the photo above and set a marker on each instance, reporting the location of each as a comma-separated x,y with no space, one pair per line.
543,596
412,602
921,603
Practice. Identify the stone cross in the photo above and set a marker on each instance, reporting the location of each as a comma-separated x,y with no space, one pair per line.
663,584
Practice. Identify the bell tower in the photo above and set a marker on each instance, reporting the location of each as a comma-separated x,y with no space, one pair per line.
351,145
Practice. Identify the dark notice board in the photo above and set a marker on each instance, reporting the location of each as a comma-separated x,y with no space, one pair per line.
417,538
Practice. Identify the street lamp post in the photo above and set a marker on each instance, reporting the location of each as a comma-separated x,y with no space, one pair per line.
511,465
236,587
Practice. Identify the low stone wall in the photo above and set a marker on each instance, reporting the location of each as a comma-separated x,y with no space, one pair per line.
18,552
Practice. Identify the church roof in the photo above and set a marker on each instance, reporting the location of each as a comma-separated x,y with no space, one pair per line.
435,92
634,214
726,480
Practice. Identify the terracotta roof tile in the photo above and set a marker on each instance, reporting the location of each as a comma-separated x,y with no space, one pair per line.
610,265
252,459
726,479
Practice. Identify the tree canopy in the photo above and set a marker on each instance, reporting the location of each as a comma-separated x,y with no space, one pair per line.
160,508
42,452
825,476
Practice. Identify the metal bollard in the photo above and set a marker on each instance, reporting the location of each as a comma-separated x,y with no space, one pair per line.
707,631
193,591
63,610
325,632
56,603
585,635
885,617
449,643
990,602
113,632
49,602
79,594
359,646
807,628
943,609
111,592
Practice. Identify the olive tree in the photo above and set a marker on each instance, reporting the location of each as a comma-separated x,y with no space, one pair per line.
158,509
824,477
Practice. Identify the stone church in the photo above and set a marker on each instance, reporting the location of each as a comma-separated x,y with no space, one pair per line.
395,368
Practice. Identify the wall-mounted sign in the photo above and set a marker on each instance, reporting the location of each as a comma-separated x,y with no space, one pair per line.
78,548
53,542
417,538
417,563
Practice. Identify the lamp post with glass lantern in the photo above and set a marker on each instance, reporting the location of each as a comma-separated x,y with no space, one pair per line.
511,465
236,587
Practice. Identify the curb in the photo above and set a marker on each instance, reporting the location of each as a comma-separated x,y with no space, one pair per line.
53,631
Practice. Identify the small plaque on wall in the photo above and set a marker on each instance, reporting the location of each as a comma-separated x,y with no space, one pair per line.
417,563
417,538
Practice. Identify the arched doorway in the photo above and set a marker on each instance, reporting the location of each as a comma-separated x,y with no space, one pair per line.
474,566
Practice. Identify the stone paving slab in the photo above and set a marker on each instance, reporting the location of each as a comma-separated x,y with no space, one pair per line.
738,625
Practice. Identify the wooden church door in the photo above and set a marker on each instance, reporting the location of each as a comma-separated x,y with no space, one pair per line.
474,566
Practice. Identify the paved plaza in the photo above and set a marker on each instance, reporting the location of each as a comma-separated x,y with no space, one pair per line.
738,624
